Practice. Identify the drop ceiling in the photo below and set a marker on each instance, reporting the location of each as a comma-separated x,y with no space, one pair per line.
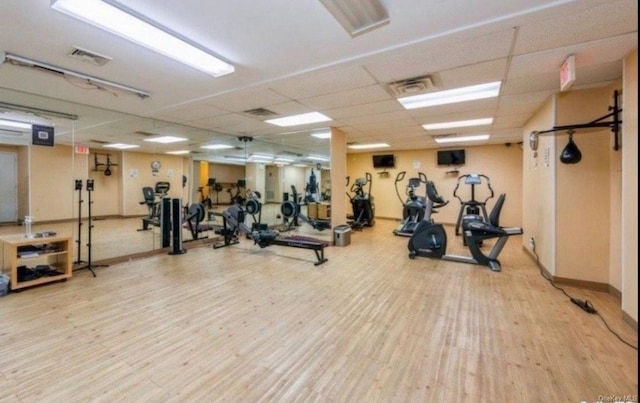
294,57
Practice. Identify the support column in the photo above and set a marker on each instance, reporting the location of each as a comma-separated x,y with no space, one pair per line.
338,177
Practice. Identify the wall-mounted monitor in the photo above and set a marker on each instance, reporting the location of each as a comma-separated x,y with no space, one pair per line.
384,161
42,135
451,157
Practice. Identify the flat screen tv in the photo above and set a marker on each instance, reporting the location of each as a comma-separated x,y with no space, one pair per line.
451,157
384,161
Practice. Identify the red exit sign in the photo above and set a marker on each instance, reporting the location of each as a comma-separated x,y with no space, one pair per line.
80,149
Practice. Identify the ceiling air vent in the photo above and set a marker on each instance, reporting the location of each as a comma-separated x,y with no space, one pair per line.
89,56
414,86
100,141
145,134
260,112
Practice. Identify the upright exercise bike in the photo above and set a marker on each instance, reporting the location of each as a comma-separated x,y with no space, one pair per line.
415,207
430,239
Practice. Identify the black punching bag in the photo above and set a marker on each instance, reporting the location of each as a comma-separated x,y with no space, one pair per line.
570,154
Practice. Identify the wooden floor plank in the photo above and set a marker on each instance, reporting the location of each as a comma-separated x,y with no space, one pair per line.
249,324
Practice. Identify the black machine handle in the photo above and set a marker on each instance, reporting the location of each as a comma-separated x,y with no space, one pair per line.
489,186
455,190
399,178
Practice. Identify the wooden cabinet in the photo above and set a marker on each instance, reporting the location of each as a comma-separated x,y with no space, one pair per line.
34,261
319,211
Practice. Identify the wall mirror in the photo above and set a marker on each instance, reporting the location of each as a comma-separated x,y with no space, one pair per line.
116,152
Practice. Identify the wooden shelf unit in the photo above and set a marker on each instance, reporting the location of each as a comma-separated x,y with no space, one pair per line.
57,255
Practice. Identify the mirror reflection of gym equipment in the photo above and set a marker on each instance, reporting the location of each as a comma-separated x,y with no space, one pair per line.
107,164
291,213
206,198
152,197
235,192
362,203
233,225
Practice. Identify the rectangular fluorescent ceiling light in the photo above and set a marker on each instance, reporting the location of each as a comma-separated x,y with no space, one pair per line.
15,124
179,152
318,158
234,158
261,157
279,159
459,123
134,27
367,146
217,146
460,139
120,146
322,135
166,139
358,16
300,165
302,119
463,94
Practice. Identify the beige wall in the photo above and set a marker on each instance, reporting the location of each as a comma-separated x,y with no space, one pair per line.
107,194
51,182
629,232
223,173
539,188
272,180
500,163
255,176
293,176
136,173
584,216
583,190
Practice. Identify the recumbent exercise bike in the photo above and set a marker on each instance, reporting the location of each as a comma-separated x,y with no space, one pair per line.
430,239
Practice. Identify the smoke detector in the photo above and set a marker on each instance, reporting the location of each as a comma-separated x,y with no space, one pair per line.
89,56
414,86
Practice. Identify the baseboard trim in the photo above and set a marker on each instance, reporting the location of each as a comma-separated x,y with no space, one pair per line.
589,285
202,242
615,292
630,321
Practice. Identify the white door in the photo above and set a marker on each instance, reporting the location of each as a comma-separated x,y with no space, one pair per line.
9,187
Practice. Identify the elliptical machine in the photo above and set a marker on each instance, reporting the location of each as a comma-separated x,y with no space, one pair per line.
362,203
415,207
472,209
311,189
430,239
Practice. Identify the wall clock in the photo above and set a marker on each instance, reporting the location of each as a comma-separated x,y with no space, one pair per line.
155,165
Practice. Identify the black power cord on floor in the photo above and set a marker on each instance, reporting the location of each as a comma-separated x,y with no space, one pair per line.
585,305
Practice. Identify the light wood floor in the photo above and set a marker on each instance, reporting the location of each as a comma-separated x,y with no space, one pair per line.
244,324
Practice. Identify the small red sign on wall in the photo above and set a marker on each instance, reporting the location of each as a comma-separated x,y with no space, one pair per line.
80,149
